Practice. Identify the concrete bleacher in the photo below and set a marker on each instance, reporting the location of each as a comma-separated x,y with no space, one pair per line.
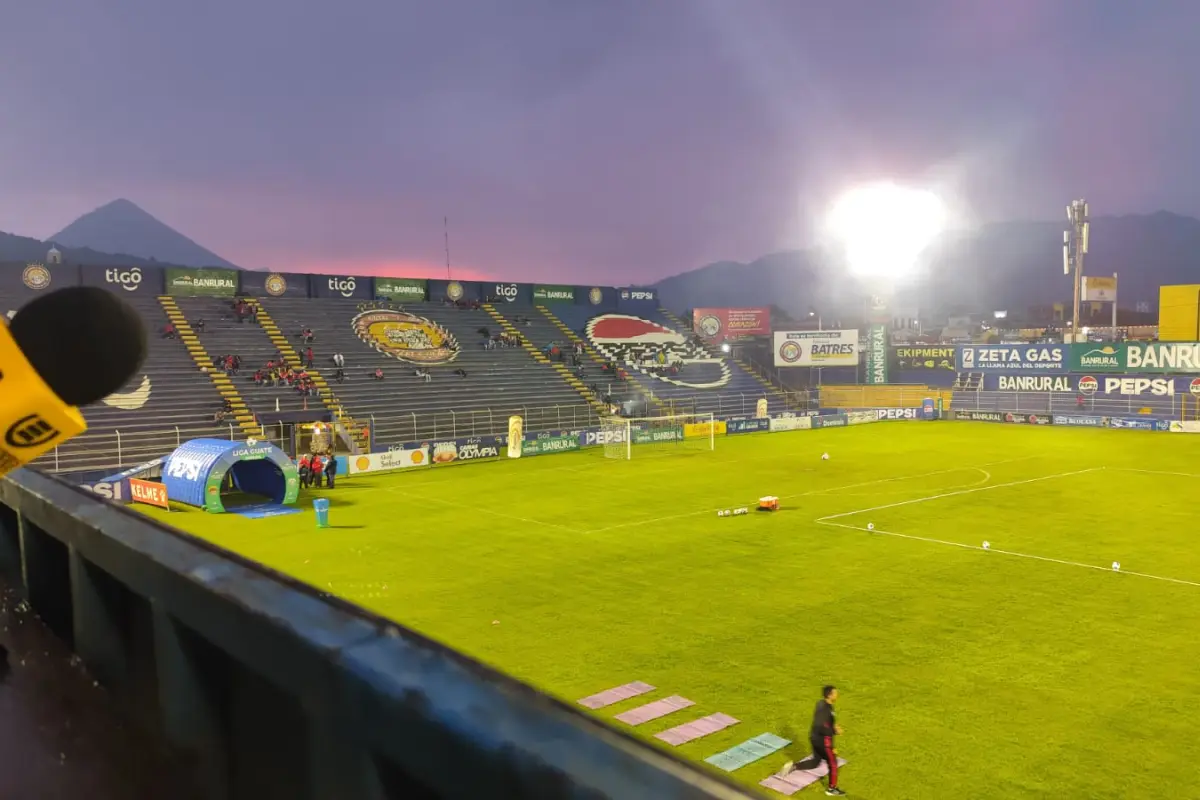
500,382
738,391
168,402
224,335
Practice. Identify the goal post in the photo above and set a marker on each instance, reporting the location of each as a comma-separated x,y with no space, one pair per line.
626,437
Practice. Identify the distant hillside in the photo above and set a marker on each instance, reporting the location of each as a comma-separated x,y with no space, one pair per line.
1006,266
24,248
123,227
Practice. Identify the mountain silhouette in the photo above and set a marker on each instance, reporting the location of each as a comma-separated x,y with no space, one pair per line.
1010,266
16,248
123,227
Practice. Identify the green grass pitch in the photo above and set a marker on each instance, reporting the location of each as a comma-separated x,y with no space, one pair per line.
963,673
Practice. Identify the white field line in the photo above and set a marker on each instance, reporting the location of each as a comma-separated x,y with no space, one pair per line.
1157,472
944,495
875,482
1010,553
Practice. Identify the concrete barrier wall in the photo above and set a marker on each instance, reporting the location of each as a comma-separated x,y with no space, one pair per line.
278,691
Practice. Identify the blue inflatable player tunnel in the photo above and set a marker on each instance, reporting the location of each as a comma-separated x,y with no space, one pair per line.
195,473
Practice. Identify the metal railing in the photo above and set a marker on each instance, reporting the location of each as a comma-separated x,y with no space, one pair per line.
1172,406
115,448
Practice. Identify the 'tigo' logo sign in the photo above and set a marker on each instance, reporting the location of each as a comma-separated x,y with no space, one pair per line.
127,279
343,286
508,292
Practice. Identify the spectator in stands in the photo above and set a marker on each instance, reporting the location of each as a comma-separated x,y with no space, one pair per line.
339,360
423,374
460,372
305,467
168,331
258,377
331,468
378,374
339,375
200,325
307,335
308,358
219,415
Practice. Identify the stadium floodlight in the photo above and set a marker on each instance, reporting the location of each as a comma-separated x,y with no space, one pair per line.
884,228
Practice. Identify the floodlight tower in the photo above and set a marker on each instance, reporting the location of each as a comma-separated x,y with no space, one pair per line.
1075,247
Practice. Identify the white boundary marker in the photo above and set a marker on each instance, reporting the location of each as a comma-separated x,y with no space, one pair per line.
1011,553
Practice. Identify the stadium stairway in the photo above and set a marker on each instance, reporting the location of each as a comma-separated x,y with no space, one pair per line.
403,408
533,326
224,335
620,392
324,390
167,403
203,360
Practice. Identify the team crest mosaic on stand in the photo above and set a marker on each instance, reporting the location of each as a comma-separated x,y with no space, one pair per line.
643,345
406,337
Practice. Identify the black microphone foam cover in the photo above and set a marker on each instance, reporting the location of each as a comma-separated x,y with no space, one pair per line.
85,342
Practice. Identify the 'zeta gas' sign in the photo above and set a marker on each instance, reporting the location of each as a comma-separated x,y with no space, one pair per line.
1017,358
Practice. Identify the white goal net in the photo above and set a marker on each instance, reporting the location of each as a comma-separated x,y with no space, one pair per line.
624,438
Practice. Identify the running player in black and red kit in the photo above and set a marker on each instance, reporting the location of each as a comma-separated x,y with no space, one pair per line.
820,737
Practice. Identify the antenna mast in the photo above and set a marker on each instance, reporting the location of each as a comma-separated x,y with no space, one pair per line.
446,236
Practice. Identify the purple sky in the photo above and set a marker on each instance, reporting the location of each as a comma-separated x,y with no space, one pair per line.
581,140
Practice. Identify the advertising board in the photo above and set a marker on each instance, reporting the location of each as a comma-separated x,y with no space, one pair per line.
549,444
349,287
124,280
1138,423
401,290
830,421
925,357
149,492
447,451
862,417
503,293
747,425
897,413
553,294
390,460
816,348
790,423
1080,421
877,355
113,491
697,429
720,324
207,281
1148,357
1184,426
274,284
1013,358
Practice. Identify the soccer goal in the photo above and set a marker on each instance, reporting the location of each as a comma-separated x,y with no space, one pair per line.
651,435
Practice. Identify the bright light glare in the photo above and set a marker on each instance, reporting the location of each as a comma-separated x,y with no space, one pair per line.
885,227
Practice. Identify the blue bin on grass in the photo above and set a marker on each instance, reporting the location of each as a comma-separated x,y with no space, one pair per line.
321,507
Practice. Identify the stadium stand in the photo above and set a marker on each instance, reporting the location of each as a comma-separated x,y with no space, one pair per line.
169,402
223,334
708,383
497,383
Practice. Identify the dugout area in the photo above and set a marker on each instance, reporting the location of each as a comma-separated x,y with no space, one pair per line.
204,473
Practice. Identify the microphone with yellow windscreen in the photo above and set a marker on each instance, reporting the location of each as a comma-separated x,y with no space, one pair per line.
66,349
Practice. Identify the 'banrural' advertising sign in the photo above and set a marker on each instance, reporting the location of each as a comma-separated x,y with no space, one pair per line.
1013,358
412,290
877,355
1153,357
205,281
553,294
549,444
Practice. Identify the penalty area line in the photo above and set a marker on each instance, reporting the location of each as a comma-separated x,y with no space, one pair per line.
485,510
1011,553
